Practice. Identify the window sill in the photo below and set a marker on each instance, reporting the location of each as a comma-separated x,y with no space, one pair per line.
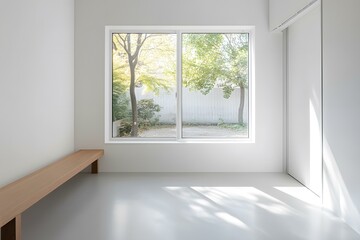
180,141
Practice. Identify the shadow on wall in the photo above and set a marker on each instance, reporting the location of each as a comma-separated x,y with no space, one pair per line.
336,196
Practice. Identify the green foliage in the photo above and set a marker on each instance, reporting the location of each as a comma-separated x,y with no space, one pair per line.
214,59
125,127
154,84
141,60
147,110
120,104
233,126
155,69
209,60
201,61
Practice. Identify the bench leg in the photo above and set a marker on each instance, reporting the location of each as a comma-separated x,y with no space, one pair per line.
94,167
12,230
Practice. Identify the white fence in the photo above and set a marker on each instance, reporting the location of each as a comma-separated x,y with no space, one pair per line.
198,108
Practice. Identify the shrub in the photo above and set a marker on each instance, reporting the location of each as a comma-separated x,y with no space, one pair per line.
147,110
125,127
120,106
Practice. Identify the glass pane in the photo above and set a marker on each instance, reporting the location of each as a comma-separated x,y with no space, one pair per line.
215,71
144,85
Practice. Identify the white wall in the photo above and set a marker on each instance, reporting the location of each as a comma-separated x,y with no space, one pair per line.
283,11
341,76
36,84
91,18
304,100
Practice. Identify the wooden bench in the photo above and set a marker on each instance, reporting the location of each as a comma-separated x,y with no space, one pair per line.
18,196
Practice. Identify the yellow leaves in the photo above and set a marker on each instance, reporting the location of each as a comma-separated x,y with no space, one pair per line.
156,63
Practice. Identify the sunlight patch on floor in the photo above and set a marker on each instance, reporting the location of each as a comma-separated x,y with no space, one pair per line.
301,193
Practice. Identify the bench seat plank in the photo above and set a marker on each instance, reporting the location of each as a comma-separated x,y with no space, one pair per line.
18,196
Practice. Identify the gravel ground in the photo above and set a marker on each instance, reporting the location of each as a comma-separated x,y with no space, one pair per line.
194,131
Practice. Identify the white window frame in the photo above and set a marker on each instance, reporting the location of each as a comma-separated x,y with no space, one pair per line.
178,30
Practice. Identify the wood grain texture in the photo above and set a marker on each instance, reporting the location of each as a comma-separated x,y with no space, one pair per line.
18,196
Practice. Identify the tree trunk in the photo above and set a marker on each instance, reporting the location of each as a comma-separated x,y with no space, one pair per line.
241,107
133,60
134,127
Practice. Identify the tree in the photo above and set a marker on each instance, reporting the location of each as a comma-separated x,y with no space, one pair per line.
214,59
134,66
120,101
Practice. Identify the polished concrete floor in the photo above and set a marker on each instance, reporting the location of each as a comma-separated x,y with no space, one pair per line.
116,206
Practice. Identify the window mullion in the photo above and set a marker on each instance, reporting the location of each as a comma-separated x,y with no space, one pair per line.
178,86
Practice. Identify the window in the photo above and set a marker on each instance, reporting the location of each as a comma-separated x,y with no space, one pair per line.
172,83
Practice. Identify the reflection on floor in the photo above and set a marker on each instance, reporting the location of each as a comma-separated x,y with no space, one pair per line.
117,206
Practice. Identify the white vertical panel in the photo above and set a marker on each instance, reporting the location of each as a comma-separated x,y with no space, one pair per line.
341,80
304,100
